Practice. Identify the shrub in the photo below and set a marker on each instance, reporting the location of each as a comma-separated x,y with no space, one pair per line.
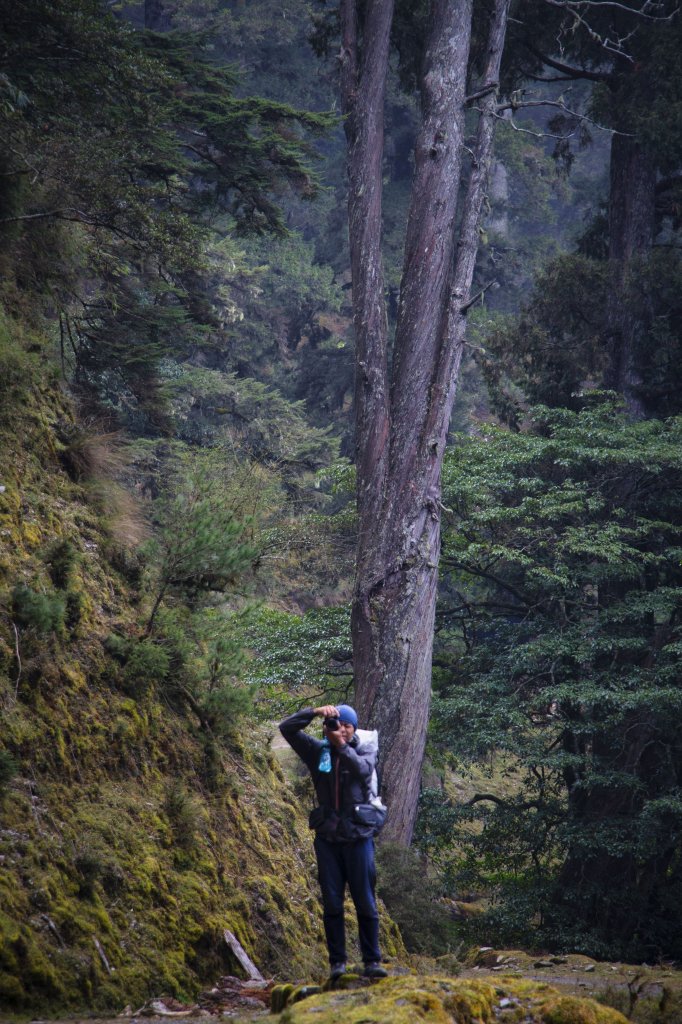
185,814
147,665
61,559
75,603
202,547
225,706
42,612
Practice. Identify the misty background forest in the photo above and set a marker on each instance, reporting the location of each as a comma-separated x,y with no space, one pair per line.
306,399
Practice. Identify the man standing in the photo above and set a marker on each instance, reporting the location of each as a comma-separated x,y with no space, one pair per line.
342,770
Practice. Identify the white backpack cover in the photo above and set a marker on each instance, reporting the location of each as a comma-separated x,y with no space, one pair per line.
370,738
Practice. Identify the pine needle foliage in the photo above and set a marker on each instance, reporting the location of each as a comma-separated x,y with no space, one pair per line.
559,645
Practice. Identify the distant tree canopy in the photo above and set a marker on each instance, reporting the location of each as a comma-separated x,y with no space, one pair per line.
609,316
122,150
559,345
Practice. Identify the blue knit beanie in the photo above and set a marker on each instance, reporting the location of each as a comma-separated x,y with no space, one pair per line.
347,714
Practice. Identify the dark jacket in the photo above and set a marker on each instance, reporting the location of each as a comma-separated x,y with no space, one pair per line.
342,789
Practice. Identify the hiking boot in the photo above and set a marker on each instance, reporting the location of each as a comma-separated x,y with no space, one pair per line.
336,970
374,970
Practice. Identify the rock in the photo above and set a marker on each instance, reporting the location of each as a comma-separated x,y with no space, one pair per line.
166,1008
588,968
543,963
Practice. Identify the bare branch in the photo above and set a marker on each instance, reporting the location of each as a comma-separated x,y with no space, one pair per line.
568,69
525,806
610,46
638,13
451,563
485,90
77,217
479,295
567,110
536,135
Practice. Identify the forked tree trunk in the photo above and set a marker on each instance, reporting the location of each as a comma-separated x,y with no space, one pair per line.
401,434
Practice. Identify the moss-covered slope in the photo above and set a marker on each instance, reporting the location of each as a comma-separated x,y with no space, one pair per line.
128,840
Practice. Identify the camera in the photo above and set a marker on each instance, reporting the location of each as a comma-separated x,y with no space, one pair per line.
332,723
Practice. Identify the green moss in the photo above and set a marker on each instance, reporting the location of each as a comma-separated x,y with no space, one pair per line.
280,997
572,1010
11,990
440,1000
471,1000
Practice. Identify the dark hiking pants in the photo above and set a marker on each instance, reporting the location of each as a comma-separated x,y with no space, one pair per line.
339,864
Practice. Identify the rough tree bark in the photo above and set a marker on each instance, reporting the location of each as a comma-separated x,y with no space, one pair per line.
401,430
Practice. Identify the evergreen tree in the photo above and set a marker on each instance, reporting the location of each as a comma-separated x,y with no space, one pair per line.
559,646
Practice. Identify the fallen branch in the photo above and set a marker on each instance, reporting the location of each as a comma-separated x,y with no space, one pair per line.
53,928
242,956
102,955
16,651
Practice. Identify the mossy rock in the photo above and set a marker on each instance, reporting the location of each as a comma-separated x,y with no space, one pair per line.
439,1000
279,997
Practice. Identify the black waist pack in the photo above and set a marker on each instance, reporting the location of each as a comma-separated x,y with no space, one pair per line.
370,815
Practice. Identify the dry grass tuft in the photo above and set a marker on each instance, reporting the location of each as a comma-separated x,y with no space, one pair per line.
125,521
89,455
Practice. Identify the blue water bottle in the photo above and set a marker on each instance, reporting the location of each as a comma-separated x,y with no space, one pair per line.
325,762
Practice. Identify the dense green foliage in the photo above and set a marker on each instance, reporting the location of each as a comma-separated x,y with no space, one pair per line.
559,640
122,151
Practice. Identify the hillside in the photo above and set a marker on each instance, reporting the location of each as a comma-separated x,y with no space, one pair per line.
128,840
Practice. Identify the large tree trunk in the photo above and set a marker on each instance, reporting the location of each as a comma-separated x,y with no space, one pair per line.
400,439
631,233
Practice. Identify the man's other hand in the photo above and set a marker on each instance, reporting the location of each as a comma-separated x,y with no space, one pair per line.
326,711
